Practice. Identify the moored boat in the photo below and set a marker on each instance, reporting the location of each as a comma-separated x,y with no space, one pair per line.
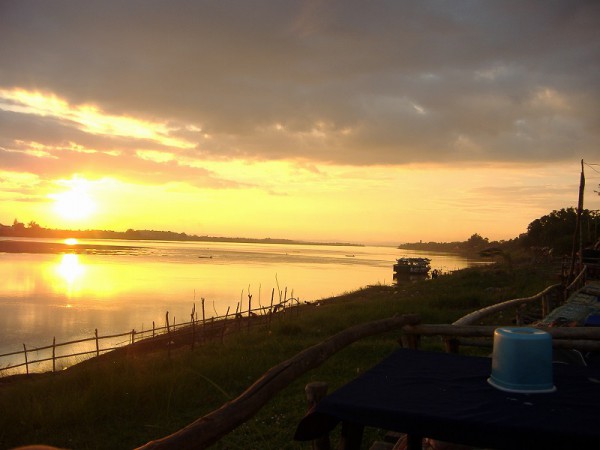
412,266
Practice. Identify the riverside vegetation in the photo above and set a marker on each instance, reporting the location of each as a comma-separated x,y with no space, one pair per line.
125,399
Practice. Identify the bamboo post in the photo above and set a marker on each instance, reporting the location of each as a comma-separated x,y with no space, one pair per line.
224,325
133,336
271,312
193,323
203,320
26,362
315,392
97,342
168,335
54,354
545,305
249,310
153,329
518,316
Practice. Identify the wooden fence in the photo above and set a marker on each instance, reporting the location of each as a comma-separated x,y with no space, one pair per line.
192,331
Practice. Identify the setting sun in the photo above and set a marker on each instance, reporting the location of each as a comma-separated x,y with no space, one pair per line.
76,203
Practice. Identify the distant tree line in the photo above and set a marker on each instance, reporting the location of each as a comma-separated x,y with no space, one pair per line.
554,230
33,229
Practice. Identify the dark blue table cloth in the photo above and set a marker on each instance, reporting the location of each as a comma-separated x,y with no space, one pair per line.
447,397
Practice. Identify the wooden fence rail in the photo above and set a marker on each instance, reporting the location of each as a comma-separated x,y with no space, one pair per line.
131,337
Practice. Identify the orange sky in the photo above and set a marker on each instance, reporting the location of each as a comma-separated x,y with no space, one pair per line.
308,120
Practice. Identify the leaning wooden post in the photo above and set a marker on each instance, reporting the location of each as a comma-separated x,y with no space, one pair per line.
97,343
26,363
54,354
315,392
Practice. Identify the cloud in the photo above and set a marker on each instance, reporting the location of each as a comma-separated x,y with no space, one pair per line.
347,82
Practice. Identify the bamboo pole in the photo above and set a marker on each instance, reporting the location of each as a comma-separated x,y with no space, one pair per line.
26,362
168,335
193,323
249,309
203,320
577,232
54,354
224,325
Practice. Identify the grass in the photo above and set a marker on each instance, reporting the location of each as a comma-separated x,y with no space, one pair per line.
123,400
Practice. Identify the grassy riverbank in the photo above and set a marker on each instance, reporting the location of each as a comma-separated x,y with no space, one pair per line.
124,400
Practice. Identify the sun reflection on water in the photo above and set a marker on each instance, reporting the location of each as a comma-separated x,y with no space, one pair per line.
70,271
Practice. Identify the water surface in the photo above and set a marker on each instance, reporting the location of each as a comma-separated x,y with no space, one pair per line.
133,283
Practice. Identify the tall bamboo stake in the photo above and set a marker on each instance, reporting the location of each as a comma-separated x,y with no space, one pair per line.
26,363
577,232
54,354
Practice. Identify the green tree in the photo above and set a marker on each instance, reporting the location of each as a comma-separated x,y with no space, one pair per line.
555,230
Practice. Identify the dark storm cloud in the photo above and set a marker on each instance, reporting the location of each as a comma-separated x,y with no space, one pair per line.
343,82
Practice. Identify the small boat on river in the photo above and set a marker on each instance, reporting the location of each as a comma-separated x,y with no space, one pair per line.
411,266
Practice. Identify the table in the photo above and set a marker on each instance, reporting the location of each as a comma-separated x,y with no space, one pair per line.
447,397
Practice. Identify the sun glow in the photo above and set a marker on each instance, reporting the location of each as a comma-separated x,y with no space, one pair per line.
76,203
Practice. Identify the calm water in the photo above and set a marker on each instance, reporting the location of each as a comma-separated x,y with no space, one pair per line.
67,296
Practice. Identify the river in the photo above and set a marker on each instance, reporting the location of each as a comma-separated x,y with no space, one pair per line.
68,296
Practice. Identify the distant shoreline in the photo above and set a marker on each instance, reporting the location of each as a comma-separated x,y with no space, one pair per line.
147,235
18,246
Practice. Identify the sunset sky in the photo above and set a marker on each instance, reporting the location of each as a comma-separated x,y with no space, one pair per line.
361,121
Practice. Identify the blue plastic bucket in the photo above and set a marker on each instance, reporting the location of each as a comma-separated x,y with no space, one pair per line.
522,360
